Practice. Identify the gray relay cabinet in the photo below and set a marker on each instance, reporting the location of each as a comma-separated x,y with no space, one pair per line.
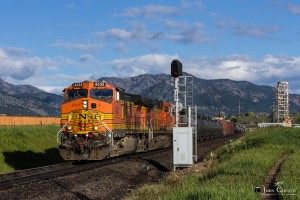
182,146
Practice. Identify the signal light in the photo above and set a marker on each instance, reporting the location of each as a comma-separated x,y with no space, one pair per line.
176,68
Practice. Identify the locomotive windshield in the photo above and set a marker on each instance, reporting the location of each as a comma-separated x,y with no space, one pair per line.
75,94
102,94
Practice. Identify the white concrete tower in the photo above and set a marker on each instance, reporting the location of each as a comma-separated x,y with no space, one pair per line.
281,104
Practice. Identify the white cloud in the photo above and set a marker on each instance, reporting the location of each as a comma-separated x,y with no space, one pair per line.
193,5
257,31
53,83
70,77
186,33
136,33
19,68
88,46
254,30
119,34
86,57
150,10
51,89
121,47
71,5
150,63
53,68
16,51
190,36
57,82
174,24
293,9
267,70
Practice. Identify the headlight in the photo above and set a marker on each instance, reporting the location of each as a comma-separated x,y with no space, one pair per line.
85,104
96,128
69,127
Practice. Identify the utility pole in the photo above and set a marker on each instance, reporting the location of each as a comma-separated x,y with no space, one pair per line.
239,108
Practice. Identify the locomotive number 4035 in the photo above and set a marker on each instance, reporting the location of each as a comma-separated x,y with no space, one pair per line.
99,84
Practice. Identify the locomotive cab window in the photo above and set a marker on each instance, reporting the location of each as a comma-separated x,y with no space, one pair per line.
102,94
75,94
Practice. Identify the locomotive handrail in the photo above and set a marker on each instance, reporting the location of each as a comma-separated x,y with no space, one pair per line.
110,131
150,132
60,130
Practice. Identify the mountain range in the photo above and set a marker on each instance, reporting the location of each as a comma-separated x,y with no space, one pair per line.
210,96
26,100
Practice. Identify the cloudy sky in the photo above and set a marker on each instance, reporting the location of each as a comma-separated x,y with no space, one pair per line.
51,44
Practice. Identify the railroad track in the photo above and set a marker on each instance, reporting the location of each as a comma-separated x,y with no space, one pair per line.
22,177
10,180
109,179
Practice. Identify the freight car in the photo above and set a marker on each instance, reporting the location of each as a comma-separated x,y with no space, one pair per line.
207,129
99,120
228,126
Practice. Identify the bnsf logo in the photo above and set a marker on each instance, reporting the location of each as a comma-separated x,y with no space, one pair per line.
87,116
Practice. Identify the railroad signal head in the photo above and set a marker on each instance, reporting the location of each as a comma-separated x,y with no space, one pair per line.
176,68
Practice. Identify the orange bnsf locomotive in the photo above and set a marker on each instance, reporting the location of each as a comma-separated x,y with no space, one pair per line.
100,120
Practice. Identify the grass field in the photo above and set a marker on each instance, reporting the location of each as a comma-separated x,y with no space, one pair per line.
23,147
237,169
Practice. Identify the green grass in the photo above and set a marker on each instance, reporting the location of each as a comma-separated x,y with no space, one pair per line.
237,169
290,176
252,120
23,147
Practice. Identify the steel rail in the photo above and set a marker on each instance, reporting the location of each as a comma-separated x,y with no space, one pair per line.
48,172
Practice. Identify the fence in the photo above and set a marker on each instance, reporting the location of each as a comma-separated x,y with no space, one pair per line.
22,120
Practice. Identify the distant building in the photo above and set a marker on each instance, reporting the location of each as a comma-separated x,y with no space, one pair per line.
281,102
222,114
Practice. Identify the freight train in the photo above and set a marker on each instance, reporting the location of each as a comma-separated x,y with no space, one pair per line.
99,120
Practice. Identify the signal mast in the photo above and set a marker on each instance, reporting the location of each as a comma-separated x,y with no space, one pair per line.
185,129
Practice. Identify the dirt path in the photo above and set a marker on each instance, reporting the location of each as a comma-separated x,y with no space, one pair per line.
270,185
